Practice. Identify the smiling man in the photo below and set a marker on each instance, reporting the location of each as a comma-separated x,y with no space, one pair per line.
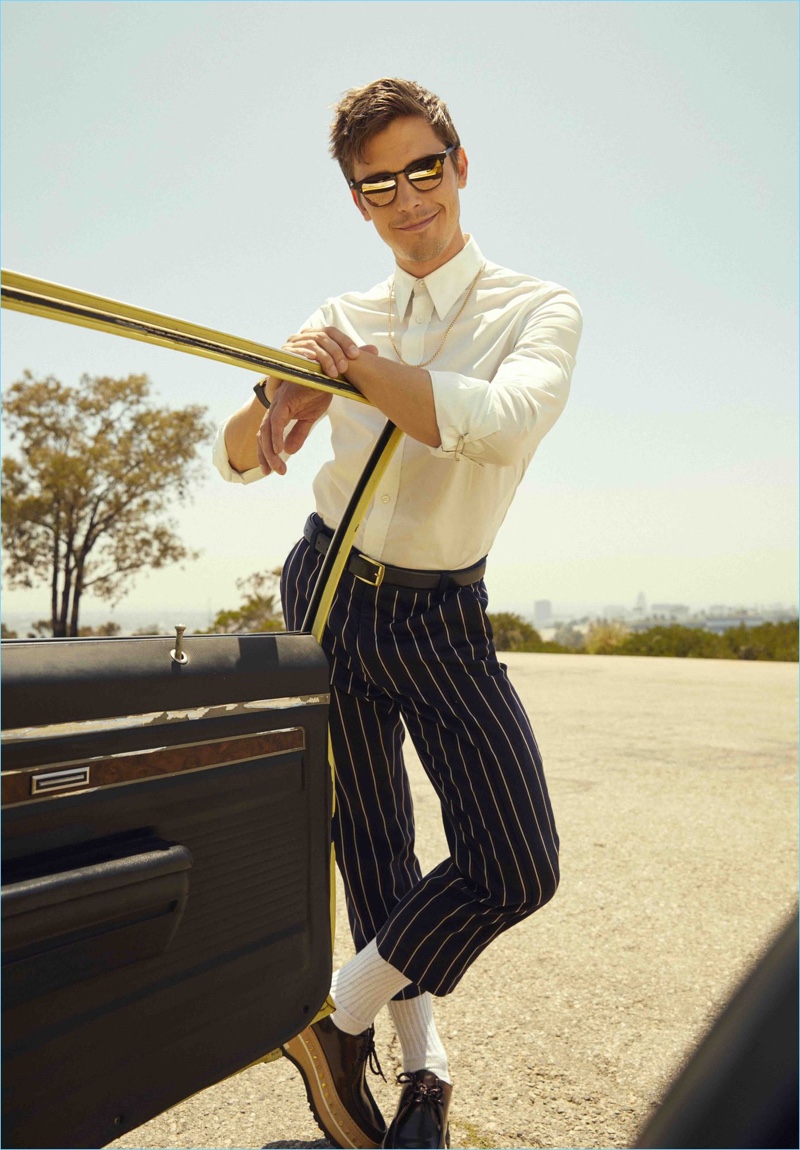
473,362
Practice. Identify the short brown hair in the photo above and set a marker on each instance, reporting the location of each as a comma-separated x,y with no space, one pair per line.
364,112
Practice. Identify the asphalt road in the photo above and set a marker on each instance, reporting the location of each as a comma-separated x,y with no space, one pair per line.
674,784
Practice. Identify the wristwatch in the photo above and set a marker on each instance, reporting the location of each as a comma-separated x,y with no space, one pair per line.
260,390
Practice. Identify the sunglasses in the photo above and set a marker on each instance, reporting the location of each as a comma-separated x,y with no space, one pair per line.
425,174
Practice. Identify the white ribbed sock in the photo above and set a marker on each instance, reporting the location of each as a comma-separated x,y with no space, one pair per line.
361,987
419,1038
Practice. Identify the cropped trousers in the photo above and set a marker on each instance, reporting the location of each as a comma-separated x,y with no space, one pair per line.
424,661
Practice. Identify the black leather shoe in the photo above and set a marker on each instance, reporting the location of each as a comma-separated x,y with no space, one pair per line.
421,1119
333,1065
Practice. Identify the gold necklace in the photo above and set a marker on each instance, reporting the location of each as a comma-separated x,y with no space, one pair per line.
425,362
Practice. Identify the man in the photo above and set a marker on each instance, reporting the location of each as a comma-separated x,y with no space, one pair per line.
408,639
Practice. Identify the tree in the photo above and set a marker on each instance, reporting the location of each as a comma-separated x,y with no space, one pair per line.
85,499
512,633
774,641
675,641
605,637
260,609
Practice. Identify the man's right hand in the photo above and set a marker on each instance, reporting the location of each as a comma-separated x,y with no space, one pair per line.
290,401
333,351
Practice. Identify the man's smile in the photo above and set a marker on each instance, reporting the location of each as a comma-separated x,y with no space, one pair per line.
418,225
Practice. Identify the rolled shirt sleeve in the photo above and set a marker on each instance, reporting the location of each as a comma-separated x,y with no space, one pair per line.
501,421
219,457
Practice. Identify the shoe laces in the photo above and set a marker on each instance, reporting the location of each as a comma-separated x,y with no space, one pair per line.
422,1091
369,1054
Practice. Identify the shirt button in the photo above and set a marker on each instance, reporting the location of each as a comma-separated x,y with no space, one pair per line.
386,498
419,319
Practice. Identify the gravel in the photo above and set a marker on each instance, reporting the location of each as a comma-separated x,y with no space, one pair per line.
674,784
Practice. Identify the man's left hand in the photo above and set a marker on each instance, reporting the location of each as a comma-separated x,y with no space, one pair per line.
327,346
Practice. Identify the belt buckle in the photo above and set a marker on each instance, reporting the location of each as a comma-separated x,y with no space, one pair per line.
379,573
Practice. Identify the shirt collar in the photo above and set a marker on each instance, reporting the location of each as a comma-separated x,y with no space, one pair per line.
445,285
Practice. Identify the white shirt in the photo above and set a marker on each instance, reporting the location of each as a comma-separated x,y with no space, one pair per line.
499,384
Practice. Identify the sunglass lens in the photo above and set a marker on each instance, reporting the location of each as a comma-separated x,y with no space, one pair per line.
428,174
380,192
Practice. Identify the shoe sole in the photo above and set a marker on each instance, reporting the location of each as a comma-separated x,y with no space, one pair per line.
333,1119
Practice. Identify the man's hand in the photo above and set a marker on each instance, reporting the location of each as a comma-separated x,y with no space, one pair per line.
333,351
328,347
291,401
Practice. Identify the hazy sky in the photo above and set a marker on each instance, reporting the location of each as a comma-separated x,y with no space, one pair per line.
174,155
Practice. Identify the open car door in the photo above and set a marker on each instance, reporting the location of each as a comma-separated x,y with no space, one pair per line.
166,915
167,894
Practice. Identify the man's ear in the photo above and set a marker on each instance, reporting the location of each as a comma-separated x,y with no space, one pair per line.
463,167
360,206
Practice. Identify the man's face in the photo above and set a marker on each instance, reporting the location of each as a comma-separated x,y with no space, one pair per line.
421,228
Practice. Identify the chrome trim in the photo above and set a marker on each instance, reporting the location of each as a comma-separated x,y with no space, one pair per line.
53,782
156,718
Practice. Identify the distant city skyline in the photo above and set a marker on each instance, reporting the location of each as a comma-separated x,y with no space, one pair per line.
197,619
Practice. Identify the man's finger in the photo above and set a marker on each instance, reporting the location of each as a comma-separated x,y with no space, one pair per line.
262,459
298,435
337,352
330,358
314,350
319,343
343,341
326,352
271,438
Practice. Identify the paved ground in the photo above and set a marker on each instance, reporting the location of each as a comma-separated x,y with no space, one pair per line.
674,784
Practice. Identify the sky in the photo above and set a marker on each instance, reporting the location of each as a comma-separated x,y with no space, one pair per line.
174,155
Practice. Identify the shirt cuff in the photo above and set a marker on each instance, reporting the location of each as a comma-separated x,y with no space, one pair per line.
465,413
220,460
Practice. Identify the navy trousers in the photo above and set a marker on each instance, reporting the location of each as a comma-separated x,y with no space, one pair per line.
426,660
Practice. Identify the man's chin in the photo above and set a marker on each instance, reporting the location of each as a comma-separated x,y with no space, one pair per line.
424,252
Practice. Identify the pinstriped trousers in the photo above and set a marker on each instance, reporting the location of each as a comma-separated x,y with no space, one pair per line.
426,659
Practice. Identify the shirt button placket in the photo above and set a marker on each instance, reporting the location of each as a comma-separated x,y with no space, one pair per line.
376,524
413,343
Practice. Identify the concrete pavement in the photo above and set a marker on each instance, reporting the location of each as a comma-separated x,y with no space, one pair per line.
674,784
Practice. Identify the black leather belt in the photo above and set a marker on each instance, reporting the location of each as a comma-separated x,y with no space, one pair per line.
377,574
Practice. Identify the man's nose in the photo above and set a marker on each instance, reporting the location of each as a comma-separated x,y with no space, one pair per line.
408,196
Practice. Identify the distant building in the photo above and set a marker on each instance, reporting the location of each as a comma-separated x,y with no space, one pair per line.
615,611
674,612
640,606
543,613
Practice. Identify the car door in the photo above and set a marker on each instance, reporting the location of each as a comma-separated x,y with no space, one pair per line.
166,871
167,884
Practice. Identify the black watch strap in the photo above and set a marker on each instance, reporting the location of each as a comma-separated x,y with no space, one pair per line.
260,390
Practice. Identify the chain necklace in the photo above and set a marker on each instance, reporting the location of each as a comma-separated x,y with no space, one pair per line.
425,362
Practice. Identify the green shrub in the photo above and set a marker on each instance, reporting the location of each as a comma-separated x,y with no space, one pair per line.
676,642
776,642
512,633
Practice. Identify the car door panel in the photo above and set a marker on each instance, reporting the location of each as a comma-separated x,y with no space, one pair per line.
166,872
